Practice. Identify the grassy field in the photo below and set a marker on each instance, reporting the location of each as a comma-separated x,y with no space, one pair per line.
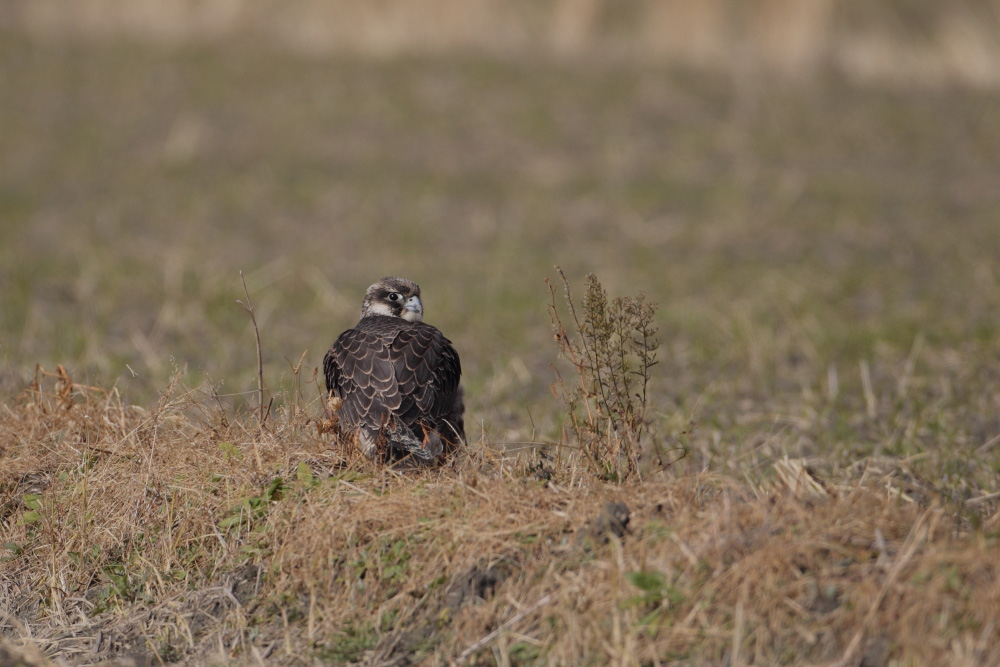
824,258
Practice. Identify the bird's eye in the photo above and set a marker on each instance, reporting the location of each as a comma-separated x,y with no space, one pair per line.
393,296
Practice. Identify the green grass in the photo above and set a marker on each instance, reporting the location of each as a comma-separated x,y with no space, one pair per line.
785,231
824,258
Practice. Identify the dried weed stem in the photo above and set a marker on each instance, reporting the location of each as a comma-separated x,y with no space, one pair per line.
612,348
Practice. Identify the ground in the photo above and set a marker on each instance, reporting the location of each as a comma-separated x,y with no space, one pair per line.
824,257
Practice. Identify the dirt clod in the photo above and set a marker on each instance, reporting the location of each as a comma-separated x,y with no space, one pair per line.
613,520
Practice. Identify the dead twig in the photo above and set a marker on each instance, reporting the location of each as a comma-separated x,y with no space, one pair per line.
260,357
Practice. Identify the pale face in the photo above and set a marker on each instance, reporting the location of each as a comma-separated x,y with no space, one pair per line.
394,297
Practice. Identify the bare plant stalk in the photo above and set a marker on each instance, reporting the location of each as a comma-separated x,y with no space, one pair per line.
296,388
564,344
260,357
612,347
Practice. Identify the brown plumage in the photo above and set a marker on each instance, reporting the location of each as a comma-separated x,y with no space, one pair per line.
398,379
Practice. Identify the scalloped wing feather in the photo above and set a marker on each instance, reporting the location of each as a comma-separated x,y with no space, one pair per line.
400,380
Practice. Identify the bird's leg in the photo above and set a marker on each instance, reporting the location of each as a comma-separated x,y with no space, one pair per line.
431,443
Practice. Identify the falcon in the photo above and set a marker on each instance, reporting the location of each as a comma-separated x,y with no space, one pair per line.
397,378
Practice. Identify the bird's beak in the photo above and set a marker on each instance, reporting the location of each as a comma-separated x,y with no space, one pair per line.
413,310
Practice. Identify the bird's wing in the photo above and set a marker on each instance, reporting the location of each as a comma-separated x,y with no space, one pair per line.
428,371
359,370
391,370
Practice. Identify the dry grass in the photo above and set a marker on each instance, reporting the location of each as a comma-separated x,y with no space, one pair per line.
184,533
902,41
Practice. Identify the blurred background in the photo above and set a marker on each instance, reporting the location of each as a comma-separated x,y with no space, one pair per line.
802,185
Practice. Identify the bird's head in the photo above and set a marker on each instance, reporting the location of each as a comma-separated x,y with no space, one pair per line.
394,297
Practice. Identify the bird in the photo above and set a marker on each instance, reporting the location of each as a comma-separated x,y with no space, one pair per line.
397,380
